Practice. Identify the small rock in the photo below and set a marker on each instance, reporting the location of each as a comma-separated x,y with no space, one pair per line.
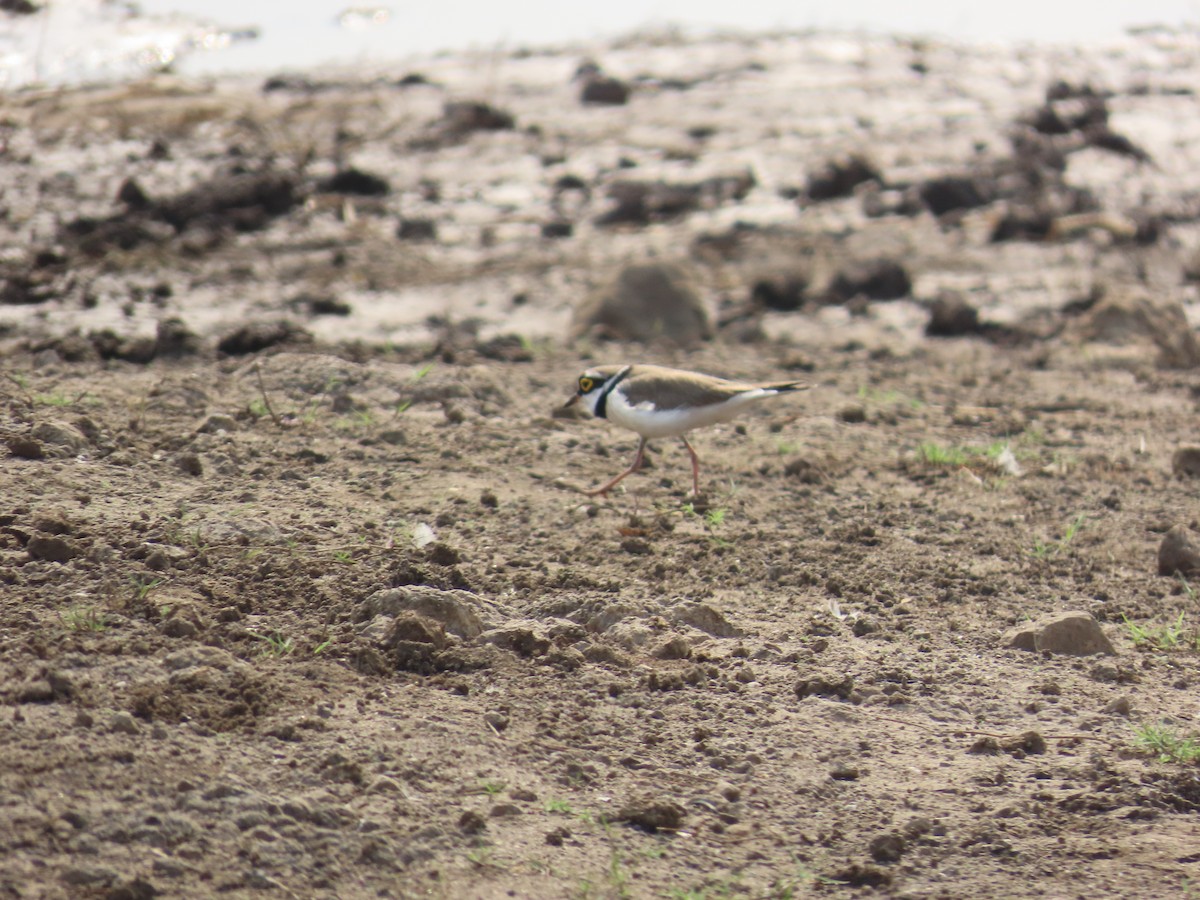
887,848
862,875
875,279
805,470
410,626
705,618
24,447
124,723
839,178
605,90
394,437
158,561
1120,706
355,181
557,229
471,822
652,813
504,811
784,290
855,414
137,889
844,772
636,546
178,627
952,192
385,784
951,316
1029,743
1185,462
464,116
675,647
521,639
217,422
1065,634
496,720
1179,552
59,438
88,876
61,683
51,548
36,692
453,609
1133,318
256,336
174,339
819,686
194,657
649,302
417,229
189,464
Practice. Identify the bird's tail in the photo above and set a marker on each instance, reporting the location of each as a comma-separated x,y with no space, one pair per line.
782,387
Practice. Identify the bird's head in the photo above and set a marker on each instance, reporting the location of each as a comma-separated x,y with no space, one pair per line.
589,387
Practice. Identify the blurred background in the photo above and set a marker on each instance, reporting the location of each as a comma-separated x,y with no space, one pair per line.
69,41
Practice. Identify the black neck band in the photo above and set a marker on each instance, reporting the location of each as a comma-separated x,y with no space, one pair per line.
602,402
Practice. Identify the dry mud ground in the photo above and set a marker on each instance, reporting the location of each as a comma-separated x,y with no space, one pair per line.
326,619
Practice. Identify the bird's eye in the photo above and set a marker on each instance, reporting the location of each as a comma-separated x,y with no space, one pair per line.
586,384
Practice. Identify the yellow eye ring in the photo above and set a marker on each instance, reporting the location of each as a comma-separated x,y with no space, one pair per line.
586,384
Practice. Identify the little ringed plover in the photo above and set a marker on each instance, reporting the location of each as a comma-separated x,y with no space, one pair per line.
655,402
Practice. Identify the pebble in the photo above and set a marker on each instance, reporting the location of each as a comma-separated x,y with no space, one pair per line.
88,876
217,422
855,414
471,822
652,813
453,609
675,647
1120,706
1179,551
385,784
1064,634
887,848
178,628
51,548
496,720
38,691
124,723
66,440
24,447
705,618
844,772
646,302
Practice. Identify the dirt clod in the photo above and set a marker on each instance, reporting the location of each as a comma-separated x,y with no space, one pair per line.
652,814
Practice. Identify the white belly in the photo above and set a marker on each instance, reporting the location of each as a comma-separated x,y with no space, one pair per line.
656,423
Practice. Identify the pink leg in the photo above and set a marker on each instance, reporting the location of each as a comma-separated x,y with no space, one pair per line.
637,464
695,467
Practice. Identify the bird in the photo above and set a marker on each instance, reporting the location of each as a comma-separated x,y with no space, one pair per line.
656,401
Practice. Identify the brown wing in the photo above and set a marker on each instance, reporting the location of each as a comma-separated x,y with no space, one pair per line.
675,388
